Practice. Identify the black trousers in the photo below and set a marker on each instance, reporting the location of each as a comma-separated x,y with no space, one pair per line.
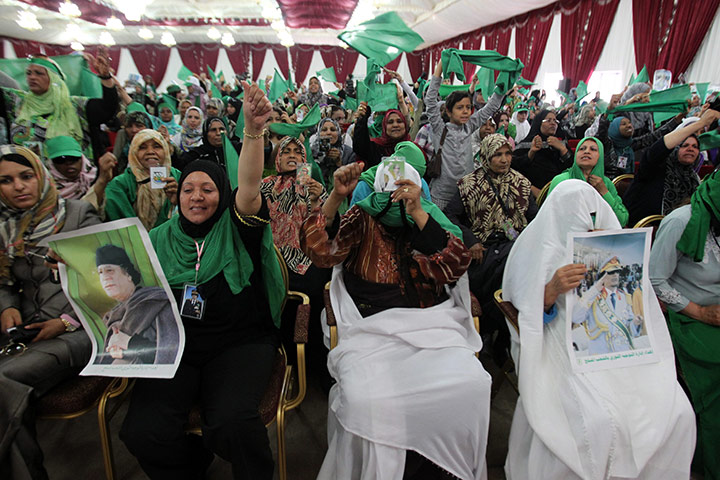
229,387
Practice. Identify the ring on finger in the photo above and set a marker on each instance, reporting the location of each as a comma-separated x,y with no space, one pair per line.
406,189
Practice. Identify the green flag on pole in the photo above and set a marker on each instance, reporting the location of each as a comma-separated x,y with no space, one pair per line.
327,74
383,38
231,161
184,73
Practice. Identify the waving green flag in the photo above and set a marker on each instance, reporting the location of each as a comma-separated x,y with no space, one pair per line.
446,90
641,77
670,102
382,38
452,62
327,74
524,83
581,91
184,73
278,86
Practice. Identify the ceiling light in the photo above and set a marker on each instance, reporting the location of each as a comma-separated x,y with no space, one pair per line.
77,46
167,39
145,33
73,30
69,9
114,23
106,39
287,43
213,33
278,25
227,39
28,20
132,9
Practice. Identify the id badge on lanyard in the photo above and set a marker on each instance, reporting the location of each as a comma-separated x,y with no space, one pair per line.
193,304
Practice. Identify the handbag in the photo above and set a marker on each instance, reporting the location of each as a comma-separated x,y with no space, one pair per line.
434,166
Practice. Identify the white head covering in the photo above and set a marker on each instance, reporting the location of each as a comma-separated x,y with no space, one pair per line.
522,128
624,422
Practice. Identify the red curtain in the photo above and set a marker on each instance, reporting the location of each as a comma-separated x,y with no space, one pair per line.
23,48
582,38
151,60
281,57
239,56
393,65
258,57
530,42
418,62
672,41
197,57
498,39
473,42
301,57
341,59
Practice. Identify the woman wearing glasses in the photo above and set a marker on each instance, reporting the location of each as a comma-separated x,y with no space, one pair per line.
32,209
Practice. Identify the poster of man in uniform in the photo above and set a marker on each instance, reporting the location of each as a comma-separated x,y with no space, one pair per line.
606,325
118,290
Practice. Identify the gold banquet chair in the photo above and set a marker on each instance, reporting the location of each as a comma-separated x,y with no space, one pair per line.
332,321
543,194
277,400
78,395
622,183
650,221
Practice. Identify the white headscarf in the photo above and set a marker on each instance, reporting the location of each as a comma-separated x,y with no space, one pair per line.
522,128
632,422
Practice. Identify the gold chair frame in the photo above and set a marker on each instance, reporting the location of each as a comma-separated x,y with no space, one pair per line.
543,194
648,221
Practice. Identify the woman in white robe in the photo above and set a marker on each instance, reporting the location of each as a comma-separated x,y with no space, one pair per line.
622,423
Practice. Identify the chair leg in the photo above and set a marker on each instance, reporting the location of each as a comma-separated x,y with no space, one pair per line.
282,466
105,440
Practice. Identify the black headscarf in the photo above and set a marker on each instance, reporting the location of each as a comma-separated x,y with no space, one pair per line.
206,127
219,177
537,123
237,103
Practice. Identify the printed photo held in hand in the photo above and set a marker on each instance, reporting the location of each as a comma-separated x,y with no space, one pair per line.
606,325
111,274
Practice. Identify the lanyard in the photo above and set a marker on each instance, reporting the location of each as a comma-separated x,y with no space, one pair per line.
199,249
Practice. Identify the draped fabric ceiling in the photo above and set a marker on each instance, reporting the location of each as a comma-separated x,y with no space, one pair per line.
670,43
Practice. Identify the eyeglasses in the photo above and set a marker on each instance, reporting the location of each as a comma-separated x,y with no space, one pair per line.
549,120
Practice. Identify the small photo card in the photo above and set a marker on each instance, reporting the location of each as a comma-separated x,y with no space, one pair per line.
156,177
393,169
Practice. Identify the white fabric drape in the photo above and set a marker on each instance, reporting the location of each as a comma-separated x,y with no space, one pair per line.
631,423
407,379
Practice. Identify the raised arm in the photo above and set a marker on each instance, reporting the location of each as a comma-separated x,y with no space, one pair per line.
256,110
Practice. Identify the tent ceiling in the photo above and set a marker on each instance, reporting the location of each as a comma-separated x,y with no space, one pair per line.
308,21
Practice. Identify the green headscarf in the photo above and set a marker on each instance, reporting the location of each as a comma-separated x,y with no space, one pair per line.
598,169
704,204
63,118
224,252
376,202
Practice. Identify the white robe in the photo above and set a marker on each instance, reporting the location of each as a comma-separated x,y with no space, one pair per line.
407,379
630,423
521,128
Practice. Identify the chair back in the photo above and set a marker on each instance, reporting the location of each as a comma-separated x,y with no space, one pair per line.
622,183
650,221
508,309
543,193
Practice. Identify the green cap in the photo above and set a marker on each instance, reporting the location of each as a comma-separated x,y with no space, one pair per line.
520,107
173,88
135,107
62,147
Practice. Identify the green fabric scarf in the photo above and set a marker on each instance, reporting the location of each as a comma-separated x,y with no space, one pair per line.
704,204
377,201
452,61
575,172
63,120
178,256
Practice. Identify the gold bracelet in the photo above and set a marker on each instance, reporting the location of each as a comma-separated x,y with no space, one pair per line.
254,137
68,325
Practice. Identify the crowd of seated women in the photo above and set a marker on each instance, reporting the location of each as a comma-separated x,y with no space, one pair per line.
407,396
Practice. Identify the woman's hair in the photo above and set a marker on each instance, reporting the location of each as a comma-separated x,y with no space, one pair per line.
15,158
454,98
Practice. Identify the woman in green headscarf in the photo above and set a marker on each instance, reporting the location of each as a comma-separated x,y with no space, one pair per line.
684,266
47,110
589,167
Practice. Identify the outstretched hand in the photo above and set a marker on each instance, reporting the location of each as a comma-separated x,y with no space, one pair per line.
256,108
345,179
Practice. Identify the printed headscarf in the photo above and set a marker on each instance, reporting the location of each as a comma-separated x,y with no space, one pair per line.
149,201
22,228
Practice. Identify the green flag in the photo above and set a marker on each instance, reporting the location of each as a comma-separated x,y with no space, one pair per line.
231,161
702,89
184,73
524,83
581,91
565,97
351,103
295,129
211,74
372,70
486,81
240,125
327,74
382,38
221,77
278,86
380,97
80,80
709,140
452,62
642,77
446,90
669,102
